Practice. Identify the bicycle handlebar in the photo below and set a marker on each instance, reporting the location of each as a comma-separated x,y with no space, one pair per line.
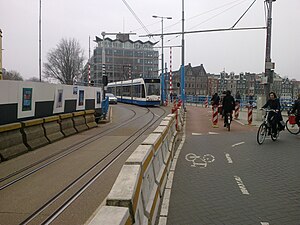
270,110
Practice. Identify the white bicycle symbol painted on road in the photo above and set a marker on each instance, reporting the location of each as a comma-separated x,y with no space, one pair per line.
202,161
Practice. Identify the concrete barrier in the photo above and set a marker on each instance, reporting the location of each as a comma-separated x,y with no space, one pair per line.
79,121
34,134
166,148
90,118
110,215
141,181
143,156
66,124
160,168
126,191
52,129
11,141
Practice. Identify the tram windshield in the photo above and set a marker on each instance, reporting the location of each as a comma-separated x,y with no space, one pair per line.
153,88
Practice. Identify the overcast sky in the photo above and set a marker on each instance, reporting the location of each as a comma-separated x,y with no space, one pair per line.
238,51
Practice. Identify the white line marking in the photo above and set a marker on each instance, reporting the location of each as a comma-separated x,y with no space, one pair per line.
196,134
264,223
228,158
213,133
241,185
239,122
164,213
240,143
165,203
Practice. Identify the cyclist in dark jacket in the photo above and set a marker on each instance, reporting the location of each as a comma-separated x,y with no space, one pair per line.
274,117
296,110
215,100
227,106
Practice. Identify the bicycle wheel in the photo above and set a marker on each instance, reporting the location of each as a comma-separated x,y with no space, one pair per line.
191,157
292,128
208,158
261,133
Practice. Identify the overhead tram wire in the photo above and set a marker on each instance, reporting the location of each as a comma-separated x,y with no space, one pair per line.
203,13
240,2
137,18
243,14
218,14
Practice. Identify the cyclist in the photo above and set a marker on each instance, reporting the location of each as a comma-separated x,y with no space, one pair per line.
227,106
274,118
215,100
296,107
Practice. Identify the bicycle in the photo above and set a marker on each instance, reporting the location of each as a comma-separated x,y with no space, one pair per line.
266,129
291,124
227,120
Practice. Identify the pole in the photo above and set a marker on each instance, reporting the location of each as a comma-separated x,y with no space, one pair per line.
268,71
162,63
182,85
104,76
40,42
89,63
1,73
171,84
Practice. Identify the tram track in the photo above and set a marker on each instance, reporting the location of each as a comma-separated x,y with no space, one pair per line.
41,164
75,188
51,208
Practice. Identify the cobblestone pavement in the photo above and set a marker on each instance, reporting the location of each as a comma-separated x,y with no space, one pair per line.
231,180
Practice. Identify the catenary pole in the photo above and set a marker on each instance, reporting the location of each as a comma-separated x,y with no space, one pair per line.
268,64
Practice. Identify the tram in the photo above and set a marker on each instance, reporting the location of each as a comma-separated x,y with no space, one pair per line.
140,91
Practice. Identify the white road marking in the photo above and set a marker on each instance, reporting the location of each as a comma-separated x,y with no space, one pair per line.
164,213
228,158
239,122
212,133
196,134
241,185
264,223
240,143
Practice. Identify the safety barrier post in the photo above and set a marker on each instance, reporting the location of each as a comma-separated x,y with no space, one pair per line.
250,109
206,102
215,116
237,110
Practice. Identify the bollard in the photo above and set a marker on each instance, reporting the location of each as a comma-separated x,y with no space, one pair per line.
237,110
215,116
250,109
206,102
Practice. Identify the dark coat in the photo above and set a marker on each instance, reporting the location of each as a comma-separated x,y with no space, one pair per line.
228,103
215,100
272,104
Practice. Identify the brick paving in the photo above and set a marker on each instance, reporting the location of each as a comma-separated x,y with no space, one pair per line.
217,194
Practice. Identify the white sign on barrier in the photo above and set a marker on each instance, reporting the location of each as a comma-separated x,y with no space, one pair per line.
199,161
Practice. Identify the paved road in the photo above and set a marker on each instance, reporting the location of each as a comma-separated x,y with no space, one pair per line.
24,197
243,183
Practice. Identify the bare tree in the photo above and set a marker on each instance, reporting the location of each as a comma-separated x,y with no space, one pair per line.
12,75
65,62
34,79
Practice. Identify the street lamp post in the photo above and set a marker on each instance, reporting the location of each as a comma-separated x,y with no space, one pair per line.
40,42
182,86
162,57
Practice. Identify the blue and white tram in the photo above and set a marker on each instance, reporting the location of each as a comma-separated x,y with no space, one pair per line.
140,91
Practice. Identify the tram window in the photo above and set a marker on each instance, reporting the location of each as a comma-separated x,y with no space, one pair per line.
126,91
143,91
153,89
119,91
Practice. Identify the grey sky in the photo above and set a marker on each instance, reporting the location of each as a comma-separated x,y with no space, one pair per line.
239,51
